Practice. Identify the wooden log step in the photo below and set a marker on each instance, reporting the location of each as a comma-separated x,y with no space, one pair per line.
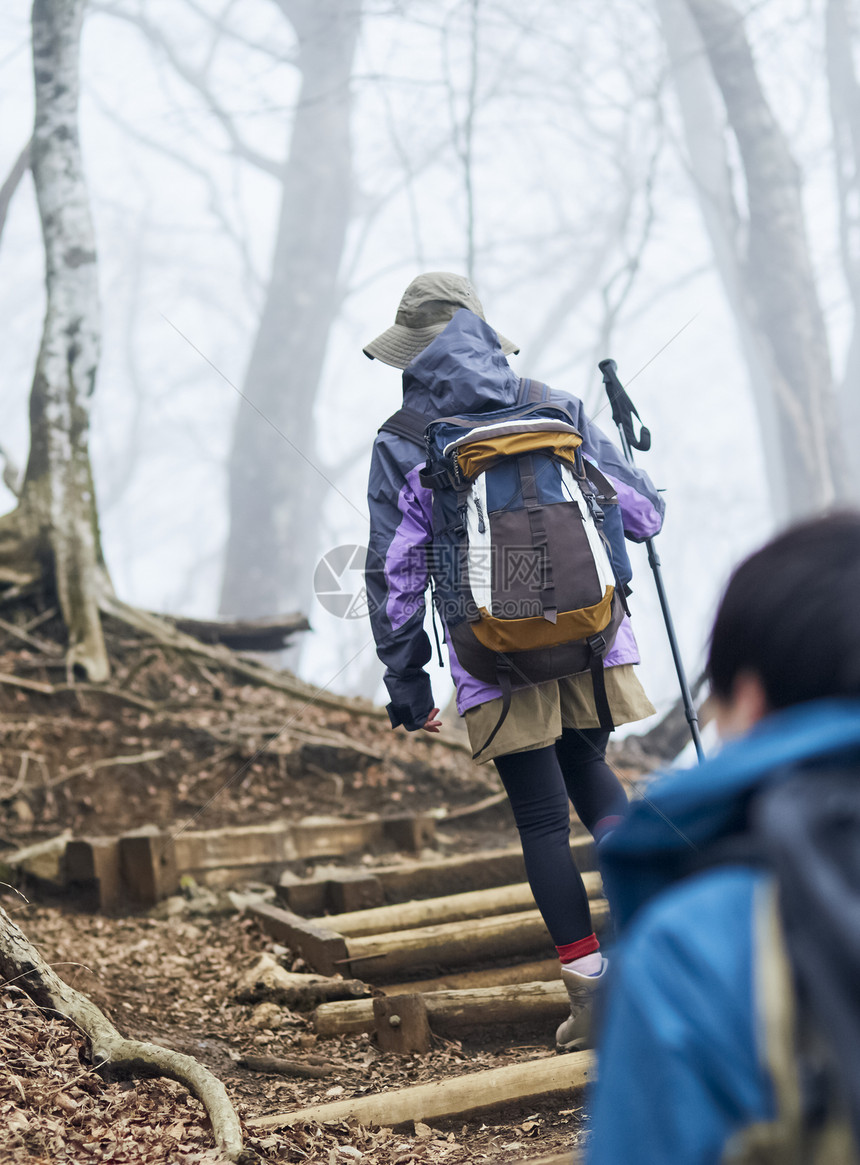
454,1010
323,950
280,842
480,871
571,1157
544,971
381,957
423,879
462,1096
452,944
453,908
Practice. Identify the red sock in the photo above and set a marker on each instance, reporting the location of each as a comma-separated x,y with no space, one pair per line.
583,946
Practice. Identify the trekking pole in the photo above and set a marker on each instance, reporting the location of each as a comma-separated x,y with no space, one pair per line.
623,412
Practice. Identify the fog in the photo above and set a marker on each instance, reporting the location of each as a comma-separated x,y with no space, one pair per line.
267,177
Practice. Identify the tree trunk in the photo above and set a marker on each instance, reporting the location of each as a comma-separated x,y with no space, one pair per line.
276,491
777,269
845,114
54,531
710,174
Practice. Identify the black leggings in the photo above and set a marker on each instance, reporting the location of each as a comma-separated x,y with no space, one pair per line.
538,785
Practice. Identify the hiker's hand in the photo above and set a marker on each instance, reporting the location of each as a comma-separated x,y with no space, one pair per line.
432,724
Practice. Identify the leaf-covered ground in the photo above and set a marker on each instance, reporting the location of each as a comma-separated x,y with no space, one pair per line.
174,740
173,981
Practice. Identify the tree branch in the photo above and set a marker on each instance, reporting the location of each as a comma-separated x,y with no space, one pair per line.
13,180
195,78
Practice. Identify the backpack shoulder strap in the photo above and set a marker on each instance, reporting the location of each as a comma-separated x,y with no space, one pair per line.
594,475
408,423
532,392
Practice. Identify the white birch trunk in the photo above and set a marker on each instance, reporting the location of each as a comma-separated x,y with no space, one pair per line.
58,510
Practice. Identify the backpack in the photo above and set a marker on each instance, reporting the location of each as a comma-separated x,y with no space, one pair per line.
528,566
805,829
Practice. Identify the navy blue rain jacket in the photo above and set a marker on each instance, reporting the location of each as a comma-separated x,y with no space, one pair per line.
680,1068
462,371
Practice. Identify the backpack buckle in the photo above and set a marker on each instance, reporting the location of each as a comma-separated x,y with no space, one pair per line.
597,643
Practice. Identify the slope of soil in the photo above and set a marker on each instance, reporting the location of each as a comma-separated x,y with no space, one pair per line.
175,739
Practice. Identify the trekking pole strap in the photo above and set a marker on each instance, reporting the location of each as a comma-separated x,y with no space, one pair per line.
623,408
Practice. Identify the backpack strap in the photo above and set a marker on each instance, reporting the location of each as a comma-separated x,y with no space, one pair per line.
608,492
532,392
503,678
598,648
537,526
408,423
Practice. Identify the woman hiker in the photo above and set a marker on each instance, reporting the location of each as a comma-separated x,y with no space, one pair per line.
550,747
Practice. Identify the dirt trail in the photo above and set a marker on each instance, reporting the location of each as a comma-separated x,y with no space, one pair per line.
174,740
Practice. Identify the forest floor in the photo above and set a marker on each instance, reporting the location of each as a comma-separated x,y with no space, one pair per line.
175,740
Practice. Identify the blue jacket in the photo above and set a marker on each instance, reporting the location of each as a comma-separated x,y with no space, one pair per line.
679,1070
462,371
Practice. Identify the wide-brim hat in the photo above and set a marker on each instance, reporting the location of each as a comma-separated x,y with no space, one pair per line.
428,305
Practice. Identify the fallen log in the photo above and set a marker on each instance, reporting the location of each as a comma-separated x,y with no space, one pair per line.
275,1066
454,1010
268,634
452,908
115,1055
268,981
478,1092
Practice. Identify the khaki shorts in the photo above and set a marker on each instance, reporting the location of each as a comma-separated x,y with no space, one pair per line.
538,714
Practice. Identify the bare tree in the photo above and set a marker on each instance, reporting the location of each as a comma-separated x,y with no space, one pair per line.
763,258
275,487
844,92
53,533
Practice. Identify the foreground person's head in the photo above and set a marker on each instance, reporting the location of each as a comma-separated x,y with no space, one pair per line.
788,626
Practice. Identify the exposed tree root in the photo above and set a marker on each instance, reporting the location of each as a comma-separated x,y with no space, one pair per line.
112,1053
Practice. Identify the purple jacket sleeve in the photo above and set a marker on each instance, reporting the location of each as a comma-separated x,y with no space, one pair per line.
397,576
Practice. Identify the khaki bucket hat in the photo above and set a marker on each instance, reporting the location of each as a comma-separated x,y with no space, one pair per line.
428,305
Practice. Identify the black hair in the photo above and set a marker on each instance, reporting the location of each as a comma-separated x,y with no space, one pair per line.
791,615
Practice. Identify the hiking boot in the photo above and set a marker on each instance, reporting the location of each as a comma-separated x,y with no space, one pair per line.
574,1034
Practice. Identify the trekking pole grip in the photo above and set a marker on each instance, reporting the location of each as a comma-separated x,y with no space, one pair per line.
623,408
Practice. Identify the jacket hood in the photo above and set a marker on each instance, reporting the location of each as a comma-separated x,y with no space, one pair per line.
462,371
689,810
